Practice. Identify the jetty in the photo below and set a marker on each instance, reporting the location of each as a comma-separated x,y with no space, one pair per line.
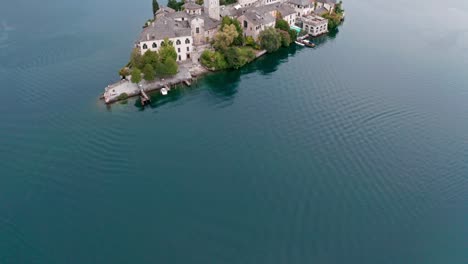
124,89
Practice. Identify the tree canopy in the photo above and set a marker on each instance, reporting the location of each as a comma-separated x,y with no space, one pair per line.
270,40
239,40
224,38
167,68
148,72
175,5
282,24
285,38
167,50
136,75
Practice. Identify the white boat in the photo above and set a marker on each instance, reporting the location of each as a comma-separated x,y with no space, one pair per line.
164,91
299,43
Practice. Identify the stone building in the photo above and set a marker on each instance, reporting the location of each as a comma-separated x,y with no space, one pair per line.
189,30
315,25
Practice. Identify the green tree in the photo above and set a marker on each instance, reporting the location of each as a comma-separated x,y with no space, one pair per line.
167,50
233,58
175,5
292,35
270,40
339,8
124,72
285,38
226,21
148,72
213,60
282,24
150,57
224,38
155,6
167,68
136,75
334,20
136,59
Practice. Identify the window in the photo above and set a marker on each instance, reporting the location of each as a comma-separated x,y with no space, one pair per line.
178,42
180,58
145,46
187,41
245,24
188,49
197,30
178,49
154,45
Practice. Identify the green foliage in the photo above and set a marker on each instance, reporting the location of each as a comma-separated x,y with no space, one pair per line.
226,21
282,24
227,2
250,41
167,68
285,38
339,8
292,35
124,72
136,60
213,60
123,96
199,2
167,50
155,6
334,20
151,58
270,40
148,72
224,38
232,57
136,75
175,5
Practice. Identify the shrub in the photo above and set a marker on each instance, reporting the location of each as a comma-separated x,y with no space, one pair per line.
167,68
214,60
292,35
282,24
285,39
136,75
124,72
270,40
148,72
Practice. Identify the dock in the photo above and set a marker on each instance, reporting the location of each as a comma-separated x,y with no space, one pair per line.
112,92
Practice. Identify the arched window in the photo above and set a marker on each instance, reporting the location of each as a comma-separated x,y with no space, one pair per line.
145,46
178,42
154,45
187,41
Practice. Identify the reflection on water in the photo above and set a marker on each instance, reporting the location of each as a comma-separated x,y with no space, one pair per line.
223,85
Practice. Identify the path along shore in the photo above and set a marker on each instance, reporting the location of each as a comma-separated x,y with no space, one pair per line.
187,72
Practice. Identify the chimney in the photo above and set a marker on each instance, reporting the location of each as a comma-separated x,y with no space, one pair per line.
147,36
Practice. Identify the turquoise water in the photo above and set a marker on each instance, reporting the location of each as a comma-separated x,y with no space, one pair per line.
353,152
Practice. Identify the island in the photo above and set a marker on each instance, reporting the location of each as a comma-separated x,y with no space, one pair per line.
187,39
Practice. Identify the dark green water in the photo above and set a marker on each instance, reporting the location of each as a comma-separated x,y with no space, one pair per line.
354,152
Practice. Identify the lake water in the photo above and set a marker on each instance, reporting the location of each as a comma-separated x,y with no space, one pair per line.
353,152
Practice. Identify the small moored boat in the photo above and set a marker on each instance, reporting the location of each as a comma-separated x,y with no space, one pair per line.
299,43
308,43
164,91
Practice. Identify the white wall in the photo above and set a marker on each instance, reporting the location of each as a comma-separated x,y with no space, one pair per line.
182,46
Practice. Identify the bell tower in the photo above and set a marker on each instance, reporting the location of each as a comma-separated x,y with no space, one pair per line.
211,8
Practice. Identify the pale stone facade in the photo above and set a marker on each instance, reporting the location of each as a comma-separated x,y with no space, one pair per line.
212,8
315,25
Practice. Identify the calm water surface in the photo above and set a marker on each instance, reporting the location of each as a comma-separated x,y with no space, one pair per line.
353,152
